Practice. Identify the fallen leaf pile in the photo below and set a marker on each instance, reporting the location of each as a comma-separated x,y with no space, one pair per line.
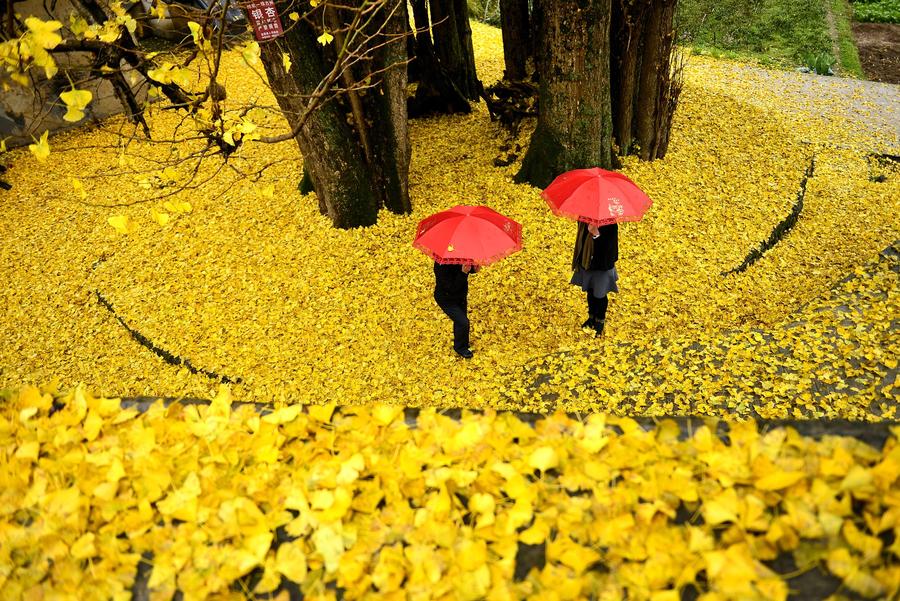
222,502
835,358
229,270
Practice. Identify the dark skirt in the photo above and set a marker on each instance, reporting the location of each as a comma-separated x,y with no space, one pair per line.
599,283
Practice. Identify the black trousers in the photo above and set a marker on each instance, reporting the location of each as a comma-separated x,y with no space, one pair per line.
456,310
597,306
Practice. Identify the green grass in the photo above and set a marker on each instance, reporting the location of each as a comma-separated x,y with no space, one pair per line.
849,56
784,32
876,11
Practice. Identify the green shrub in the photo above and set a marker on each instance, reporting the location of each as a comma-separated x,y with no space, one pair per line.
820,63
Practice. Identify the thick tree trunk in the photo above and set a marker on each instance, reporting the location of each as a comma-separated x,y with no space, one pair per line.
648,82
670,81
453,44
574,127
436,92
536,18
516,38
626,31
644,98
389,135
331,154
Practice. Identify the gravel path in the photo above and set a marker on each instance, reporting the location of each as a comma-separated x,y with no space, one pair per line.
848,107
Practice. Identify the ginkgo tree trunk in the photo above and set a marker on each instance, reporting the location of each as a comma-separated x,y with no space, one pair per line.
445,59
645,75
355,146
574,127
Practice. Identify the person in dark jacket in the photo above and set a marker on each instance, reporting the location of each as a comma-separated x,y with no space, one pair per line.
594,262
451,290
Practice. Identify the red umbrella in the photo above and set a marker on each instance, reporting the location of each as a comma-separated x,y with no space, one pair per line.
468,235
596,196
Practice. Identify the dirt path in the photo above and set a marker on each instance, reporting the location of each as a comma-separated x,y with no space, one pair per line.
833,34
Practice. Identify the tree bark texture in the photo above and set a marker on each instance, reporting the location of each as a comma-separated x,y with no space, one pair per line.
516,32
644,97
331,155
574,127
354,168
453,44
436,92
385,107
626,33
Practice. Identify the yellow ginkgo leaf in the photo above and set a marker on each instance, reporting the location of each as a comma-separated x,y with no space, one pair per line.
110,32
122,224
76,101
84,547
196,32
724,507
250,53
294,16
178,206
321,413
44,32
779,480
325,38
79,188
286,61
858,477
543,459
290,560
41,148
160,217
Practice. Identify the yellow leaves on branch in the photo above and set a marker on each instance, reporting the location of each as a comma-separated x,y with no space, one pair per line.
75,101
374,505
196,32
325,38
18,55
250,54
169,73
41,148
43,33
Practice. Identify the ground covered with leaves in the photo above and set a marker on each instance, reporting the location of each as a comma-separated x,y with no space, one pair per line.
240,279
244,279
227,503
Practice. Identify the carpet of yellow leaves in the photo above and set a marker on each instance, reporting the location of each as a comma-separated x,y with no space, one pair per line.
243,277
225,503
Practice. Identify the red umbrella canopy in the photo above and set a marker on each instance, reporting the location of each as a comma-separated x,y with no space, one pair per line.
468,235
596,196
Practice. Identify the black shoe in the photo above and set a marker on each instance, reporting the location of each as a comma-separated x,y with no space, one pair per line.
599,325
588,323
466,354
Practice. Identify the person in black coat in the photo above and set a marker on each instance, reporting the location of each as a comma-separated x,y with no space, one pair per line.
451,290
594,262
